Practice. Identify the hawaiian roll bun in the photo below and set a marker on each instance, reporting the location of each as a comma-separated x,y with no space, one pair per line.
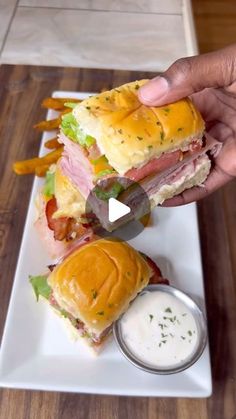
70,202
129,133
97,282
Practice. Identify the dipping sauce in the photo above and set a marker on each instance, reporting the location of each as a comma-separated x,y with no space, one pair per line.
159,329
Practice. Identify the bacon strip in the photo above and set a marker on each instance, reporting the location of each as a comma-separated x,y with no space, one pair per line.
64,228
59,225
156,277
58,248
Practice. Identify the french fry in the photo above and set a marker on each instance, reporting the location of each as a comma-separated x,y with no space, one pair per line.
51,103
48,125
67,110
25,167
51,124
53,143
40,165
41,170
69,99
57,103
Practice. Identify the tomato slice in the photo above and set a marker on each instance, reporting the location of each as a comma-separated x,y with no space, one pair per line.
165,161
155,165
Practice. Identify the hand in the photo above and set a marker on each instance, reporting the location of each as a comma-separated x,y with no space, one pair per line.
210,80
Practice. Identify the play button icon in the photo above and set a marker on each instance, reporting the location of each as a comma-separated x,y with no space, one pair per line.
116,210
115,207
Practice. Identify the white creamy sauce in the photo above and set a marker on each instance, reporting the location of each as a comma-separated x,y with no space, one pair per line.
159,329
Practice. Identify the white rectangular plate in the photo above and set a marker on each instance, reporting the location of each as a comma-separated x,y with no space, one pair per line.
36,352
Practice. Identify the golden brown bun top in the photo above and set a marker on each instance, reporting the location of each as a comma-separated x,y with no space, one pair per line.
70,202
97,282
130,133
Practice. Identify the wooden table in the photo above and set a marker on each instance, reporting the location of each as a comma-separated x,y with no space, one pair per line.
215,23
22,88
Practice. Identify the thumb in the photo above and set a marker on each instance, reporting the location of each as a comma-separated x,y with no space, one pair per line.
189,75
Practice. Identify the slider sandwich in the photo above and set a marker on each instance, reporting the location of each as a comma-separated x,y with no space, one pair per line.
95,284
111,140
112,134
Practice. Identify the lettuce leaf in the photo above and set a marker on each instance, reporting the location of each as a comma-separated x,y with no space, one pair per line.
69,126
86,140
40,286
112,192
49,185
71,129
105,172
71,105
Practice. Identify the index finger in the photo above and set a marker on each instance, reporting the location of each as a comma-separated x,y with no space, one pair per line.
190,75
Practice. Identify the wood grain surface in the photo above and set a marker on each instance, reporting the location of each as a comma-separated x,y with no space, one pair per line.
215,22
21,90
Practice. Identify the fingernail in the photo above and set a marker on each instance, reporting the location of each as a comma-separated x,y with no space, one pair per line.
155,89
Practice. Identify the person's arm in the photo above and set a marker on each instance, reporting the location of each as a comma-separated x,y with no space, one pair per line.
210,79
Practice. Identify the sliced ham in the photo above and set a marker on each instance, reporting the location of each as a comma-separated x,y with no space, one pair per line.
75,164
153,183
151,177
75,244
